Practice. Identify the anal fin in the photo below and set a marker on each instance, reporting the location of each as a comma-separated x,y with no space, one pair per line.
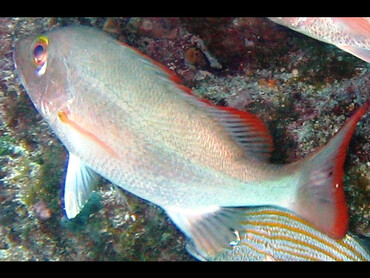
211,229
79,183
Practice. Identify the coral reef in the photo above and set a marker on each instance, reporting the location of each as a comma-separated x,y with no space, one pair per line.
303,89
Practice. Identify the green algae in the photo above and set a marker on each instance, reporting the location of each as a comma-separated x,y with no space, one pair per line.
46,183
6,145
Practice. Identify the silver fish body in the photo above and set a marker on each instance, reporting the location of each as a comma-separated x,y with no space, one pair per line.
153,140
125,117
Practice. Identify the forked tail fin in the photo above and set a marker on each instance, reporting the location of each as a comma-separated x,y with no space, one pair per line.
320,197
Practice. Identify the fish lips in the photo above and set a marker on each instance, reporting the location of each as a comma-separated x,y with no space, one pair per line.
24,66
35,84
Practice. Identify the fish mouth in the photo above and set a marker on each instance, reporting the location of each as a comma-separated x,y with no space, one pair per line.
25,69
19,52
15,62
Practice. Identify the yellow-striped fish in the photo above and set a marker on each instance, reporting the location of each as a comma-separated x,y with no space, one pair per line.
271,234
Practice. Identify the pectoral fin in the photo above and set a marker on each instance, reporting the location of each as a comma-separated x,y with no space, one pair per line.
210,229
80,181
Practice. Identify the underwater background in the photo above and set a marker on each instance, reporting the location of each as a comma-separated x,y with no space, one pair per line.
303,89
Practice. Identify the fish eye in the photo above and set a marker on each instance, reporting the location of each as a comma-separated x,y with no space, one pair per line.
39,54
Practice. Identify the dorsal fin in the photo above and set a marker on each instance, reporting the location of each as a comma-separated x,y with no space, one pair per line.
245,128
171,75
248,130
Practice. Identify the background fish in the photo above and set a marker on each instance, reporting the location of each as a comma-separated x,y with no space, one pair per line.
271,234
125,117
351,34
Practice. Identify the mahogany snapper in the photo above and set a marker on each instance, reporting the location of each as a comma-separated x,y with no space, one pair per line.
126,117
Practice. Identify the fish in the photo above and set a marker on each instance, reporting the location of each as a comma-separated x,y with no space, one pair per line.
273,234
351,34
125,117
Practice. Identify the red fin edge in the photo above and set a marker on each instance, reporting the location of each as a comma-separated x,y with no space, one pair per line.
321,198
257,128
171,74
252,119
341,218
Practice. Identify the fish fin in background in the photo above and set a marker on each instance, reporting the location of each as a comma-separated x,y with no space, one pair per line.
362,53
80,181
320,197
244,127
211,229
